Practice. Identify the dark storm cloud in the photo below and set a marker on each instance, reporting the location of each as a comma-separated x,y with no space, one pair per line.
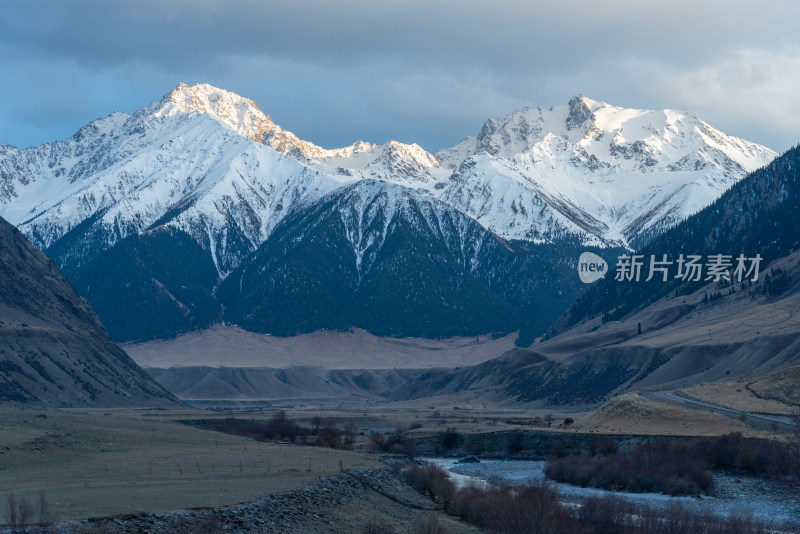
418,71
453,34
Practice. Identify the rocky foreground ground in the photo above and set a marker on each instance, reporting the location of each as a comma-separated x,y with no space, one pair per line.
341,504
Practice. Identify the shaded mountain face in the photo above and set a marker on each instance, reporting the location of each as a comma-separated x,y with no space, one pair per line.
187,192
162,282
395,262
53,349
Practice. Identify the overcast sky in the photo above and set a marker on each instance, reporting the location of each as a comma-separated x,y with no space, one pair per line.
430,72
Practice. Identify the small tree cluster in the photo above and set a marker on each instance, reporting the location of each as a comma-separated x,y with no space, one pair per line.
281,428
277,428
397,442
678,468
650,467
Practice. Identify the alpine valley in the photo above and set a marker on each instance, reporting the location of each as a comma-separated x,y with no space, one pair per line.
199,209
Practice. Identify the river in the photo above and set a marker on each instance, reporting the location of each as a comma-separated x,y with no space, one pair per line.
768,501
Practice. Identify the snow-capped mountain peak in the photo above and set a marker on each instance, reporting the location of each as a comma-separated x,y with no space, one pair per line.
392,161
239,113
632,172
192,160
244,116
210,162
413,152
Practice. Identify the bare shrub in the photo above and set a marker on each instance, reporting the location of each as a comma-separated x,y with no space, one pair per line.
44,510
427,524
756,456
430,480
558,449
11,511
607,515
399,443
24,515
449,439
377,439
316,421
20,514
514,440
520,510
675,518
279,427
329,437
476,448
602,445
533,508
349,434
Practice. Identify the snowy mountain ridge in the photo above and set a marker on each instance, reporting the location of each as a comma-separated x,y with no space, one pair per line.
361,159
617,174
210,163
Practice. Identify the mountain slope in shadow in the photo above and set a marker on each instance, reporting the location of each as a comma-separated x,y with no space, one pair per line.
53,349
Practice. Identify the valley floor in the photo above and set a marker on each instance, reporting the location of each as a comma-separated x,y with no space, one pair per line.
147,468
